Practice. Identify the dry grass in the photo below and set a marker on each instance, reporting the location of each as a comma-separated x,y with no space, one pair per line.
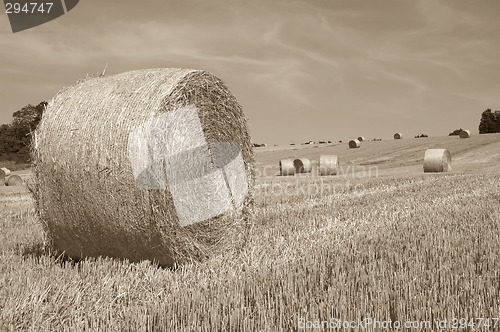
401,247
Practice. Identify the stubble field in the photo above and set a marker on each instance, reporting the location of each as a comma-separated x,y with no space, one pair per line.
381,243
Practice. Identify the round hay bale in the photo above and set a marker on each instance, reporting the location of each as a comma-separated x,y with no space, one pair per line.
152,164
14,181
361,138
287,167
465,134
354,143
398,136
6,171
437,160
302,165
328,165
2,178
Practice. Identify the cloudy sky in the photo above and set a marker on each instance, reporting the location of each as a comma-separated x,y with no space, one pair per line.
302,70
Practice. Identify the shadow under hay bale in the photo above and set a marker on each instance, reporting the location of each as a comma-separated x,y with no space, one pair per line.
302,165
437,160
328,165
398,136
287,167
14,181
464,134
354,143
151,164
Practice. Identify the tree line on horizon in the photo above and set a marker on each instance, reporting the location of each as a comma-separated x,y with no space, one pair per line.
15,138
490,122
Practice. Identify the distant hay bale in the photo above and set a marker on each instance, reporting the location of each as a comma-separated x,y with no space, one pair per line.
287,167
354,143
328,165
437,160
361,138
6,171
465,134
152,164
398,136
14,181
302,165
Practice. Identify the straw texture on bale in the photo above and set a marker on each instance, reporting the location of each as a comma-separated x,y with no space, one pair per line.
302,165
6,171
354,143
328,165
398,136
437,160
100,188
361,138
14,181
287,167
465,134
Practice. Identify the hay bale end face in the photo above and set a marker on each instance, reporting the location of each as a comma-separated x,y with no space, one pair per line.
437,160
287,167
302,165
465,134
6,171
361,138
354,143
151,164
328,165
398,136
14,181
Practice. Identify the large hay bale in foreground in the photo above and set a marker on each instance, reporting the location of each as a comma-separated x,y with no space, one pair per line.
14,181
398,136
354,143
328,165
464,134
437,160
361,138
287,167
302,165
152,164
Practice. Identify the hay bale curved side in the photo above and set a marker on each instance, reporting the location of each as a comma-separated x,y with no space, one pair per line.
437,160
398,136
361,138
464,134
354,143
114,174
287,167
328,165
14,181
302,165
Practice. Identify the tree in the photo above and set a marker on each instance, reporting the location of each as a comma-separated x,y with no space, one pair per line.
15,138
497,121
488,123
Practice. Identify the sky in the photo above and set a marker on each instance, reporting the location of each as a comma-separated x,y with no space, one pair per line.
302,70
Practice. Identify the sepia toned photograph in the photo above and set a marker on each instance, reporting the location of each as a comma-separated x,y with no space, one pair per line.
253,166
